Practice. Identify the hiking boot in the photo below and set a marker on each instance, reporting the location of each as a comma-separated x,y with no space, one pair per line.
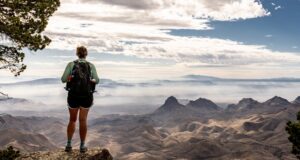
83,149
68,149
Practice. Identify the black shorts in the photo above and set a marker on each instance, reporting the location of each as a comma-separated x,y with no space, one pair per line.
77,102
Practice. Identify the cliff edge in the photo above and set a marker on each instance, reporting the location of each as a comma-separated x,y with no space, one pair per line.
91,154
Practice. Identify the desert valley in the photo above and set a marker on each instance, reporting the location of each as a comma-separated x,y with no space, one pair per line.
199,129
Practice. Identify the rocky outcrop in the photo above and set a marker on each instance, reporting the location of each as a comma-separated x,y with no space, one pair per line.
244,104
91,154
277,101
204,104
171,104
297,100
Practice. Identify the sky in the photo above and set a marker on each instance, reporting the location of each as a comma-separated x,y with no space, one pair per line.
165,39
153,44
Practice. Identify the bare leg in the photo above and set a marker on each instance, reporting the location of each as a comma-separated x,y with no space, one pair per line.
83,123
72,123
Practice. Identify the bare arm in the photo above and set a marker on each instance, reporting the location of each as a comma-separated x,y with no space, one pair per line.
67,72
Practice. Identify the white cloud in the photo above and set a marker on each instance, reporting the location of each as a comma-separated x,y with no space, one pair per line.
163,13
215,9
234,9
277,7
194,50
212,51
141,28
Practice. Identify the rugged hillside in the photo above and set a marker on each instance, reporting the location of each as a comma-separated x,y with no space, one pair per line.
249,130
198,130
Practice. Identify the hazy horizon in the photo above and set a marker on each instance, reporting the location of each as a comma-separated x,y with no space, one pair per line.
139,97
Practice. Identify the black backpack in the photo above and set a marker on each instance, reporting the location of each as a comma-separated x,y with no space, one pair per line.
80,84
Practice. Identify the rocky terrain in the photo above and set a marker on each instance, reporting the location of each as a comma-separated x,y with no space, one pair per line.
198,130
91,154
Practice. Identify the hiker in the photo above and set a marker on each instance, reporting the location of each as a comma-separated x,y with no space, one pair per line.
81,78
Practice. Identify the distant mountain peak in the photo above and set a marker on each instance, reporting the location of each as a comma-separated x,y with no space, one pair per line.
200,77
171,101
170,104
203,103
247,102
297,100
276,100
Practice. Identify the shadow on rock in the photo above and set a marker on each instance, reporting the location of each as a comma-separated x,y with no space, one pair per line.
103,155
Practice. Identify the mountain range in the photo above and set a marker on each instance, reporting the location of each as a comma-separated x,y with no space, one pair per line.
109,83
198,130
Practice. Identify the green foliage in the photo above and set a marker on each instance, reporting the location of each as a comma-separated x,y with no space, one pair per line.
9,154
293,129
21,23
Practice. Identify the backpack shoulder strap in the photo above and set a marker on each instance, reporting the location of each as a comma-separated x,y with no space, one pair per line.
89,67
75,63
89,64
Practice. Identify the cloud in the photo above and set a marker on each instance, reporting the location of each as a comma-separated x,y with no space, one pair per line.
160,19
141,4
141,28
165,13
212,51
233,9
215,9
277,7
186,50
268,36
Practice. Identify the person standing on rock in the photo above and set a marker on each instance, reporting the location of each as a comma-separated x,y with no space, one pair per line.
81,78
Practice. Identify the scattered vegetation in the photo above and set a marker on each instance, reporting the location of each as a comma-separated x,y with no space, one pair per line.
9,154
293,129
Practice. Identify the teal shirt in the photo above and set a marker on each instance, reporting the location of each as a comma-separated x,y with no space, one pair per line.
70,66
